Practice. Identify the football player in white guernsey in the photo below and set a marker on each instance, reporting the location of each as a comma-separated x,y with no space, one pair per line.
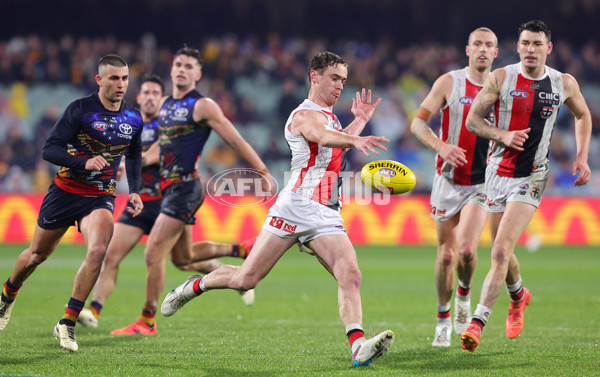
306,210
457,197
527,96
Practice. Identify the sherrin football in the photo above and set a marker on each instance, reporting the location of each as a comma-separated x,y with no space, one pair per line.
388,176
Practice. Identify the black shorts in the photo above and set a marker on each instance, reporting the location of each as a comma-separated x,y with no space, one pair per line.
182,200
145,220
60,208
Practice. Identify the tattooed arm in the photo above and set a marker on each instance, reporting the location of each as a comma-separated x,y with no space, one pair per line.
482,105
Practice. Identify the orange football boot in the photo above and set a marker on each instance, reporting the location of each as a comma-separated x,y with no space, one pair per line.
515,320
470,339
137,327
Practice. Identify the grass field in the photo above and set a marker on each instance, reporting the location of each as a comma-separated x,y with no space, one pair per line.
294,328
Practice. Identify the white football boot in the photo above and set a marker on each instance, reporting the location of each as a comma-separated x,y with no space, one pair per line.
87,318
443,330
462,314
5,310
179,297
370,349
66,335
247,296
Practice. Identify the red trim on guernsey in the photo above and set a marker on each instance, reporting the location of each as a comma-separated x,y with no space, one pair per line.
149,198
314,151
466,140
445,130
78,188
519,120
322,192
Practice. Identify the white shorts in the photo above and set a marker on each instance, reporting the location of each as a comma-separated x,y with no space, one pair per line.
501,190
294,216
447,198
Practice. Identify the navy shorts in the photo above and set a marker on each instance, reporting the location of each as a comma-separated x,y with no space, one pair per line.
182,200
145,220
60,208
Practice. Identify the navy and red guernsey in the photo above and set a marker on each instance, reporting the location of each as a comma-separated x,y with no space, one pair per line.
453,131
87,129
526,103
150,173
181,139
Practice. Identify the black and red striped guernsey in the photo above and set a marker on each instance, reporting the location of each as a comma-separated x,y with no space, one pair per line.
453,131
526,103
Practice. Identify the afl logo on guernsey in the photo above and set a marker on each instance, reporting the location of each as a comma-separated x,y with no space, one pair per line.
162,113
518,93
100,126
466,100
386,172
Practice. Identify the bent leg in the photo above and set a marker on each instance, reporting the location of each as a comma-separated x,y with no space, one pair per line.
124,239
339,257
42,246
97,229
512,224
446,258
470,227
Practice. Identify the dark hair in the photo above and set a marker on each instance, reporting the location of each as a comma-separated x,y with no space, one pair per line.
322,60
191,52
149,77
535,26
112,59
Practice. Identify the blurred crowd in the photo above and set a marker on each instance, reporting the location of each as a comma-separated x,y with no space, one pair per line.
257,83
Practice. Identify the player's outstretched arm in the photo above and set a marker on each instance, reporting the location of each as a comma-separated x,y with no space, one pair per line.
583,128
312,125
209,110
363,110
419,126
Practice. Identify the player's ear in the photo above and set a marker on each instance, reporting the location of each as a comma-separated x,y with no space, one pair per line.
550,46
98,79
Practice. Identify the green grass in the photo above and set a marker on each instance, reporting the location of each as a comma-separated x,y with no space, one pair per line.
294,328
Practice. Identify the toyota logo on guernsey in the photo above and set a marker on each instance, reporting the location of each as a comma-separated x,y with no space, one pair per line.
230,185
126,130
100,126
518,93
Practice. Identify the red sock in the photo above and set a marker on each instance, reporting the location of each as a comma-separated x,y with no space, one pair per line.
355,334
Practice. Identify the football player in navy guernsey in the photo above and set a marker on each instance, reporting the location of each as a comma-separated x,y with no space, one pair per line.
527,96
130,228
185,121
88,142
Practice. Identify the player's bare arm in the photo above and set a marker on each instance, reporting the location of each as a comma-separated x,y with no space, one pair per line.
209,110
435,100
583,128
363,111
482,105
313,127
96,163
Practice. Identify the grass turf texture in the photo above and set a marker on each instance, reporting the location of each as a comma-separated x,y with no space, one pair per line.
294,328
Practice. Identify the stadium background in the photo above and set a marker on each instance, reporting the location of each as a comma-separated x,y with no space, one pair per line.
255,67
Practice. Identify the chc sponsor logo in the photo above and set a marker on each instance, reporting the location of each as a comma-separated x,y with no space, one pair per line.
100,126
518,93
229,185
466,100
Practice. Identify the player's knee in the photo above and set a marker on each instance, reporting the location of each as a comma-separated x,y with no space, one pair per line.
37,258
446,256
96,253
501,254
351,280
467,251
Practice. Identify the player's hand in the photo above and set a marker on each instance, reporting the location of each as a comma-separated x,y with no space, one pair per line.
362,107
585,173
121,171
137,204
267,183
515,139
453,154
368,144
96,163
